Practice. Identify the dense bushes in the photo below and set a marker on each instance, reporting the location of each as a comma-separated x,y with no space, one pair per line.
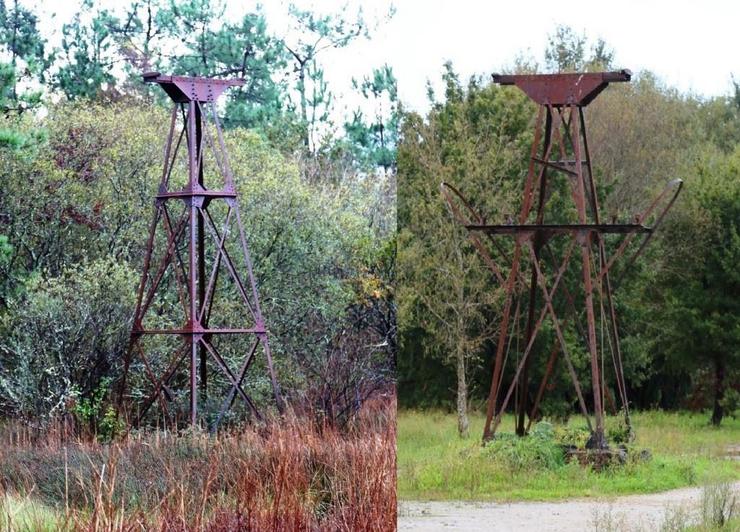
73,220
65,334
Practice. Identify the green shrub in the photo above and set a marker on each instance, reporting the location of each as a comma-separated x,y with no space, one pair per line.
537,451
66,339
572,436
620,433
96,412
543,430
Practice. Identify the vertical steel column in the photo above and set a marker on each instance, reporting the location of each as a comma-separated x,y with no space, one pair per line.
203,354
613,332
511,282
193,250
585,242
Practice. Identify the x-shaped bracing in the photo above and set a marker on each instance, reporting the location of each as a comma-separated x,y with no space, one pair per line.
184,256
532,238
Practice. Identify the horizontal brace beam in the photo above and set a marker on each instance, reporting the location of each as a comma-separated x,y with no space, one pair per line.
254,330
202,193
559,228
571,162
555,166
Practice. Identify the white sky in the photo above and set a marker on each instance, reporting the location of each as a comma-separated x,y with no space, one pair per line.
694,46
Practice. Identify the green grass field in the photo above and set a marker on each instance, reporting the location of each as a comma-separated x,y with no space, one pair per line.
435,464
25,514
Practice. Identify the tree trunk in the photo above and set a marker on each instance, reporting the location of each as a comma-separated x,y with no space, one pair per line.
462,395
719,391
304,104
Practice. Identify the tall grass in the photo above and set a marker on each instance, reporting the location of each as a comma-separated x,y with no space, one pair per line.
20,514
718,505
286,475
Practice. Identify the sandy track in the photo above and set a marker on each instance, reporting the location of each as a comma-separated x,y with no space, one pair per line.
630,513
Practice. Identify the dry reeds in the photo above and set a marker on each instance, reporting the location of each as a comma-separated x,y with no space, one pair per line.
286,475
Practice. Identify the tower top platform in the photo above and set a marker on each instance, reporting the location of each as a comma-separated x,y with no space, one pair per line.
184,89
578,88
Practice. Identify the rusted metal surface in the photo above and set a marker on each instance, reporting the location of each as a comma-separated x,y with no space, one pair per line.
179,257
560,150
563,89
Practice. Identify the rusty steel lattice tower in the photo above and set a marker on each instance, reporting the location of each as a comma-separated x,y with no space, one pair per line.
560,148
183,288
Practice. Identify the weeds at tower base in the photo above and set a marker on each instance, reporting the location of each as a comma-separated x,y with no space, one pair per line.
549,447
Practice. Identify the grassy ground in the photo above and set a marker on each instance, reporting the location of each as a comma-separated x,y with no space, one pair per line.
286,475
435,464
25,514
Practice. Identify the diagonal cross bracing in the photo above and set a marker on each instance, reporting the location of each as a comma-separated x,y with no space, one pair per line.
197,289
560,151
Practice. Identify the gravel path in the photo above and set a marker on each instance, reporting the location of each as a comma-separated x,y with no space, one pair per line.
630,513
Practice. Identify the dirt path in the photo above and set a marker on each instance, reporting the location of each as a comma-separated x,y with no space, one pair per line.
631,513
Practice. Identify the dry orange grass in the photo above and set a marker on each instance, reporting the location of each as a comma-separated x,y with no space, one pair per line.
288,475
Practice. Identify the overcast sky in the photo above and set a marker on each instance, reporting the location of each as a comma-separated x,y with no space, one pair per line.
694,46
